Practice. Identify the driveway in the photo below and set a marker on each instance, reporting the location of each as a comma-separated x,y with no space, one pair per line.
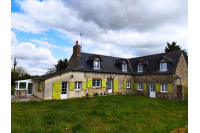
24,98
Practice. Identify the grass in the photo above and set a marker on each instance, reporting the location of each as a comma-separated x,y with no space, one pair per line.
119,113
12,90
185,93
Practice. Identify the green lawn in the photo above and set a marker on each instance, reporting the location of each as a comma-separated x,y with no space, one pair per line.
119,113
12,90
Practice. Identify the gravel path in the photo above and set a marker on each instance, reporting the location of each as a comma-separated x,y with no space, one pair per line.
24,98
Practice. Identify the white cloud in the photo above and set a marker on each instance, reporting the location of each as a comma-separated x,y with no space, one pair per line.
13,38
45,44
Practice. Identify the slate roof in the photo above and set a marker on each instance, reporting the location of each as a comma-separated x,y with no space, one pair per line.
107,64
151,64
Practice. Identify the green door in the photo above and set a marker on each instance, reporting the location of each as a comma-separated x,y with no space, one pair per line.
56,90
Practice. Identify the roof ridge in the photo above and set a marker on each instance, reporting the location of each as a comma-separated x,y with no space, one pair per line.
105,55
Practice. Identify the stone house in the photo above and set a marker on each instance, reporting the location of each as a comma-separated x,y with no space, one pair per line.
160,75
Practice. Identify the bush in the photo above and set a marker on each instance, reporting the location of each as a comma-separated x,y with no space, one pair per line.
101,94
87,95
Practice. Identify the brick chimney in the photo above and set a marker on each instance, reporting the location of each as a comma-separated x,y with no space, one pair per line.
77,50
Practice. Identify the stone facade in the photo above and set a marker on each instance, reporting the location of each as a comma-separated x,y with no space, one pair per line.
120,77
182,71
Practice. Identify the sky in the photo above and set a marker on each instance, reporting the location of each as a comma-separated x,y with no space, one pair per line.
42,30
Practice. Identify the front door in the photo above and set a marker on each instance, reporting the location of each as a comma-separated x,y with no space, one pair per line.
152,90
30,89
64,90
110,86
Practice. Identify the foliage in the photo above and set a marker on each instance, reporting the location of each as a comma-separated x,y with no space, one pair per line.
12,90
174,47
95,94
62,64
19,74
119,113
51,70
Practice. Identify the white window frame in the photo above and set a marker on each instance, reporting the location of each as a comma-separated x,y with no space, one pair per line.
128,84
124,67
163,68
140,68
152,87
95,85
77,85
98,64
163,87
140,86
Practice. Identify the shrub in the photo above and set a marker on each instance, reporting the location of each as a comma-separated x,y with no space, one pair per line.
101,94
87,95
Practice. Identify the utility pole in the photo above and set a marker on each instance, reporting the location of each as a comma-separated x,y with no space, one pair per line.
15,63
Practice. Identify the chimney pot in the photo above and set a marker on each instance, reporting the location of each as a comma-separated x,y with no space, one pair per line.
77,50
76,42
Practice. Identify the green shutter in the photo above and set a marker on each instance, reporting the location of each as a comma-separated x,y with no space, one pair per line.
125,84
89,83
56,90
37,85
84,85
103,82
157,88
41,85
169,88
71,86
115,85
144,87
135,86
131,84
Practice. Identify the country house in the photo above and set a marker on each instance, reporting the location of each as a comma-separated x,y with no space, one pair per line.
160,76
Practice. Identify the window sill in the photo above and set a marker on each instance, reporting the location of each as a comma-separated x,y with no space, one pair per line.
164,91
77,90
140,90
163,70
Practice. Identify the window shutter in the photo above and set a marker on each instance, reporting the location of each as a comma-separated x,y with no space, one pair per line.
41,85
37,85
124,84
84,85
103,82
169,88
89,83
135,86
115,85
144,86
56,90
71,85
157,88
131,84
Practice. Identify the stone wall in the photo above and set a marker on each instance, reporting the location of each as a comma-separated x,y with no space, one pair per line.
158,79
120,77
182,70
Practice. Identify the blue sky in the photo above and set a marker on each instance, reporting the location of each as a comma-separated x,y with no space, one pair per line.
41,31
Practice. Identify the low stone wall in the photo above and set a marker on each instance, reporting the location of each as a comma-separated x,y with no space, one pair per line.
20,93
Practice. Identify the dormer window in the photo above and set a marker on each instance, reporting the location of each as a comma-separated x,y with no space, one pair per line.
163,66
124,67
96,64
140,68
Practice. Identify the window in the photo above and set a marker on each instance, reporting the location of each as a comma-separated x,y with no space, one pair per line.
77,85
127,84
152,87
163,66
22,85
140,68
96,64
140,86
124,67
64,88
96,83
164,87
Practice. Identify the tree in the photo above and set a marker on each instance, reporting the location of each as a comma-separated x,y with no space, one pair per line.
19,74
174,47
51,70
62,64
